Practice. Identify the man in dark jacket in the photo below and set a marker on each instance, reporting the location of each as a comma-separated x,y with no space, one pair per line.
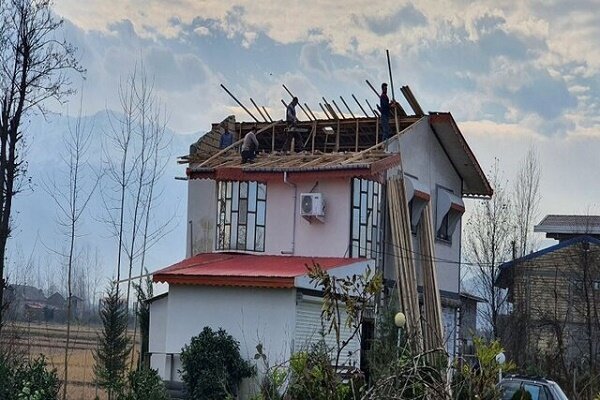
292,130
384,109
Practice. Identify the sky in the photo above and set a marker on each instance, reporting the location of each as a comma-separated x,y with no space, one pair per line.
515,75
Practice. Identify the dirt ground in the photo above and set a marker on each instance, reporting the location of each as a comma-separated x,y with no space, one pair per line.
49,340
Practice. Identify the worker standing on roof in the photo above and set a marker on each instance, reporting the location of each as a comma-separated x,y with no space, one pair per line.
226,138
249,146
291,121
384,108
290,114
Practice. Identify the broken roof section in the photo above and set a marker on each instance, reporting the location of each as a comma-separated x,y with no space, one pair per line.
336,146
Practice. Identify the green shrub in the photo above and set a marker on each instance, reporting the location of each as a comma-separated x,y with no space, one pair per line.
146,384
212,367
313,377
28,380
481,382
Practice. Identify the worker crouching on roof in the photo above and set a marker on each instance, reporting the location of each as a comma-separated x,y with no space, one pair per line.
249,146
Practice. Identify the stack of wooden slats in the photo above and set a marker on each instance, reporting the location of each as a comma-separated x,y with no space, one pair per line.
406,277
433,328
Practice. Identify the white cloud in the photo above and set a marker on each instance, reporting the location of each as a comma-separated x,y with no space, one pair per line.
202,31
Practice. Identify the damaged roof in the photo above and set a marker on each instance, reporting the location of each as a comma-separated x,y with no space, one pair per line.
336,147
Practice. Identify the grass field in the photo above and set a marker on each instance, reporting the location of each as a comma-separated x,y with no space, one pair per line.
50,340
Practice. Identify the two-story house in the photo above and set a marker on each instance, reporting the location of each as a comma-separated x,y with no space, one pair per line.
253,228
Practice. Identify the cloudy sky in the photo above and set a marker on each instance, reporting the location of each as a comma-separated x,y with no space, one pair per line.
514,74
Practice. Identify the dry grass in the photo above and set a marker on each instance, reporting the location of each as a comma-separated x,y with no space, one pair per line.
50,340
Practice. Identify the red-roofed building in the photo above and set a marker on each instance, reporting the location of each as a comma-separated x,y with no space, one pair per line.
254,228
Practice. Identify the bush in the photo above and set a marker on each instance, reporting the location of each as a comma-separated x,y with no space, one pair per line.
480,382
212,367
28,380
313,377
146,384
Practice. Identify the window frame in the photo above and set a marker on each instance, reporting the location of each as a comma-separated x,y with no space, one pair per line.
365,239
447,238
241,213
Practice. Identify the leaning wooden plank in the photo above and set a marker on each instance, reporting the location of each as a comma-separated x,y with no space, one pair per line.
405,273
412,101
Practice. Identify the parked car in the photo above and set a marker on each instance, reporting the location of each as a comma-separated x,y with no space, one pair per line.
539,388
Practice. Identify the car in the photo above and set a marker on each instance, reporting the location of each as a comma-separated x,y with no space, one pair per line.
539,388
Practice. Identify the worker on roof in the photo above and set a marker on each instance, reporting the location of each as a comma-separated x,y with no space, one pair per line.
249,146
384,108
292,131
226,138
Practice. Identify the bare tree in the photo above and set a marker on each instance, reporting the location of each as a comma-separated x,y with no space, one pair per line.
33,67
119,166
487,245
71,194
138,137
526,202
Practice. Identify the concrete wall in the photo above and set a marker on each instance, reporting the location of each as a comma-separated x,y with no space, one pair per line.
424,158
250,315
158,336
323,239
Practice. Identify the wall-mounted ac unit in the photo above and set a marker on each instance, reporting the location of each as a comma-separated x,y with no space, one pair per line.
312,205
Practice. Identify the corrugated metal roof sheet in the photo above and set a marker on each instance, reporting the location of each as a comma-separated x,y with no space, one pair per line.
570,224
227,269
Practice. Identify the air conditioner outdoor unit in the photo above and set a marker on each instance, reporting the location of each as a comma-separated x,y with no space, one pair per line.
312,205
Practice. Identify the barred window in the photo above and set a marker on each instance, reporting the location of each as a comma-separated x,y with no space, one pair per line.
366,208
241,211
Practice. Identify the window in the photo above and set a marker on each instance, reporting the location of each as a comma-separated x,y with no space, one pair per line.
418,196
443,231
366,208
241,212
449,210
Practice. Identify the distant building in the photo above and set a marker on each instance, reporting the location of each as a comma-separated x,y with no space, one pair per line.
25,302
554,294
28,303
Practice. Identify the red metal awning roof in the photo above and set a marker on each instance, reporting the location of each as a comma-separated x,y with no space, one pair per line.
228,269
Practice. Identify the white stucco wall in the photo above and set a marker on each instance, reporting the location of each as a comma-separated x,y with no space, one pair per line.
202,216
424,158
157,339
323,239
250,315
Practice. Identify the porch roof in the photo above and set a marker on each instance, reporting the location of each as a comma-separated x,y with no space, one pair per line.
246,270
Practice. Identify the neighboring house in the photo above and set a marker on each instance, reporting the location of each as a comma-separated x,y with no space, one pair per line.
253,228
25,302
554,295
28,303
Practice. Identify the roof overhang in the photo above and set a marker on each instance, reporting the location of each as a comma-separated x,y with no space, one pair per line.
475,183
302,168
